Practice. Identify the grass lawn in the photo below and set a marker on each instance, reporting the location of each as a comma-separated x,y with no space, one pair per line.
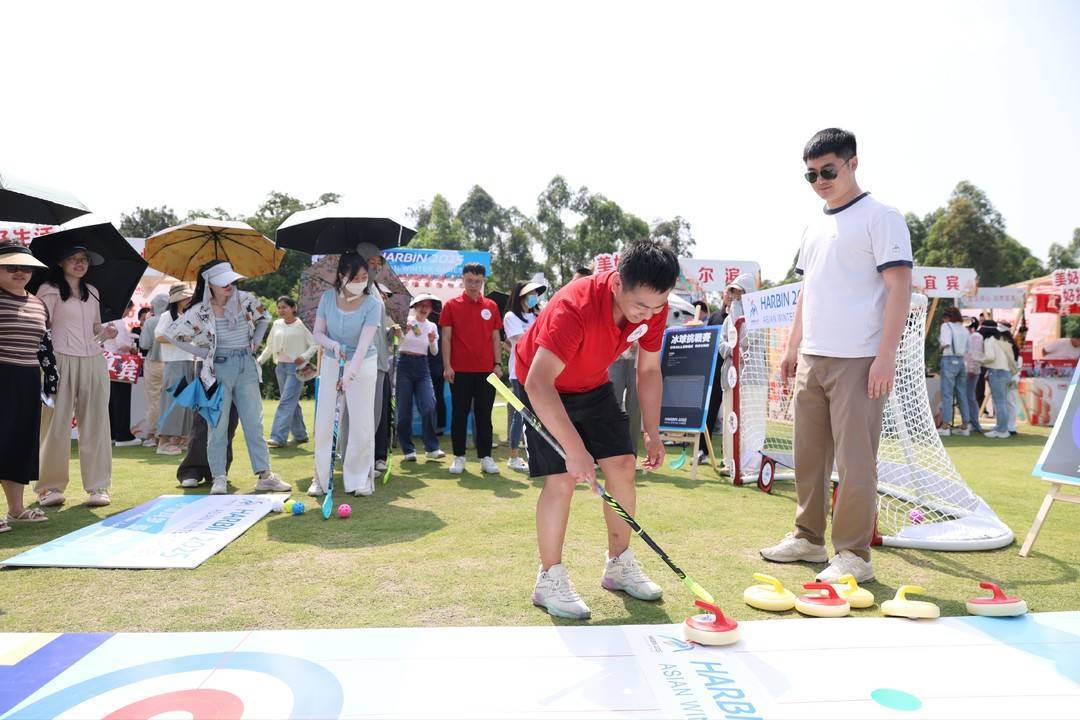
434,549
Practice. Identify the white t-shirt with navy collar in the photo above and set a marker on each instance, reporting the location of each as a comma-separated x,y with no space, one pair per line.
843,252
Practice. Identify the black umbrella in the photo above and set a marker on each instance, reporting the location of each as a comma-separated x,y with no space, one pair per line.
332,229
115,279
21,201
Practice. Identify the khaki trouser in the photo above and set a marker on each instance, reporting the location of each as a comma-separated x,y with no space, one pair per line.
153,375
84,393
835,418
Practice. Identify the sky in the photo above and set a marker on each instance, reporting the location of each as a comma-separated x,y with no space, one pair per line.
692,109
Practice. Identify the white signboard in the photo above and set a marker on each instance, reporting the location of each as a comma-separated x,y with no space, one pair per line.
171,531
774,307
994,298
714,275
937,282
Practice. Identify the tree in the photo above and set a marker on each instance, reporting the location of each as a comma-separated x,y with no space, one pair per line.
277,207
676,233
1067,256
550,230
482,219
144,222
443,230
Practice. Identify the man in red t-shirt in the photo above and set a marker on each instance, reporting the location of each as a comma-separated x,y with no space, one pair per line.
472,350
563,360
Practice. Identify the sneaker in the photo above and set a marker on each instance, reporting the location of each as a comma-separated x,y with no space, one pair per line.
518,464
169,450
435,455
458,466
962,431
624,573
275,444
98,498
944,431
793,549
380,465
300,441
189,482
149,442
844,563
407,457
555,594
702,457
1014,432
127,443
487,464
270,482
220,485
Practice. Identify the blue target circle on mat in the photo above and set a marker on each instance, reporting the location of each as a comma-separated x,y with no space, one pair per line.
316,691
896,699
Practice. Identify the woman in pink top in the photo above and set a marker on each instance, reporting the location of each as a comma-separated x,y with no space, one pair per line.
75,322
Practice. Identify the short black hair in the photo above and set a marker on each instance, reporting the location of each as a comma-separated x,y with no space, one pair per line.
830,140
288,301
583,271
473,268
649,263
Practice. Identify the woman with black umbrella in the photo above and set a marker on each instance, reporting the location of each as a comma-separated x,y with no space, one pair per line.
77,332
24,346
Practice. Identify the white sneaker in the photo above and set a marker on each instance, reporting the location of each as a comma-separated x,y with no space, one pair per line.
128,443
556,594
624,573
518,464
220,485
189,482
270,482
488,465
315,490
995,434
458,466
944,431
408,457
844,563
793,549
380,465
962,431
435,455
149,442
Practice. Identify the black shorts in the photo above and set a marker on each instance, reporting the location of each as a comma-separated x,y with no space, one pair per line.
599,420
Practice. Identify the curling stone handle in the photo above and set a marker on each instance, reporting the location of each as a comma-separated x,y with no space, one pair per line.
826,588
999,595
777,586
902,592
848,580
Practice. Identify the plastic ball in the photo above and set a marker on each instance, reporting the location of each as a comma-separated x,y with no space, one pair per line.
916,516
298,508
277,505
344,511
287,506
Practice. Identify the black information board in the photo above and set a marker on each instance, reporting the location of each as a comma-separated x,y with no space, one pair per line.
687,360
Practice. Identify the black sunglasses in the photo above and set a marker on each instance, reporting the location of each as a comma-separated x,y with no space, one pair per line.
826,173
17,268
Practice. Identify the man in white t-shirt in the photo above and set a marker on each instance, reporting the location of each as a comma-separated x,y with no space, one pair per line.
856,261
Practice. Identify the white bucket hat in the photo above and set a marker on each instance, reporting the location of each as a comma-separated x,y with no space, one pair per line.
744,282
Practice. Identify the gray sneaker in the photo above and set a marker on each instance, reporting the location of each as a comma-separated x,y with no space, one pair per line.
555,594
270,482
793,549
189,482
220,485
624,573
844,563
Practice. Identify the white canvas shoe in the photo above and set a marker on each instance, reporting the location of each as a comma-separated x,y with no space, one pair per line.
624,573
407,457
944,431
189,482
556,594
220,485
270,482
458,466
380,465
518,464
487,464
962,431
793,549
435,455
844,563
315,490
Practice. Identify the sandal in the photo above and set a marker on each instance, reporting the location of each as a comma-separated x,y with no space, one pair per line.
4,527
51,498
29,515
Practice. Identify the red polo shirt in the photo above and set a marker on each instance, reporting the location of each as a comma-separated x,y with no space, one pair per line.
473,322
578,326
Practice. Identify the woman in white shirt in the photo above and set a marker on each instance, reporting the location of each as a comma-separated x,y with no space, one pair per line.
292,346
174,423
1001,366
953,340
522,308
419,340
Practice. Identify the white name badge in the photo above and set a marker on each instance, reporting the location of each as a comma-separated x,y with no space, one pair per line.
486,314
638,332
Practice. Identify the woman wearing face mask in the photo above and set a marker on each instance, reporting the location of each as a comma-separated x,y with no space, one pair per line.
224,328
523,307
420,339
292,346
77,332
345,325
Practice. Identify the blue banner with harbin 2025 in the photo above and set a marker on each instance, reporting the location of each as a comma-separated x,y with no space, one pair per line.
436,263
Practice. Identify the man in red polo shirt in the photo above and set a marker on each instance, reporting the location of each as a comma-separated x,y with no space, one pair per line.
563,362
471,351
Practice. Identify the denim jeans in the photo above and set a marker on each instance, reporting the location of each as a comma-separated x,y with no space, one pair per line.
517,424
999,390
414,382
288,417
973,402
953,381
238,382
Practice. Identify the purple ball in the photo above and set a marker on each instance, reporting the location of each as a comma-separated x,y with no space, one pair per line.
916,516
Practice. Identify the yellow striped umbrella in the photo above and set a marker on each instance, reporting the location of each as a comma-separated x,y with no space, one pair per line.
180,251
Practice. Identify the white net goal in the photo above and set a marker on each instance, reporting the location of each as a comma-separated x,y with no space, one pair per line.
922,500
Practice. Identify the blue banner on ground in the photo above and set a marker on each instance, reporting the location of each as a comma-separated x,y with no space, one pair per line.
172,531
